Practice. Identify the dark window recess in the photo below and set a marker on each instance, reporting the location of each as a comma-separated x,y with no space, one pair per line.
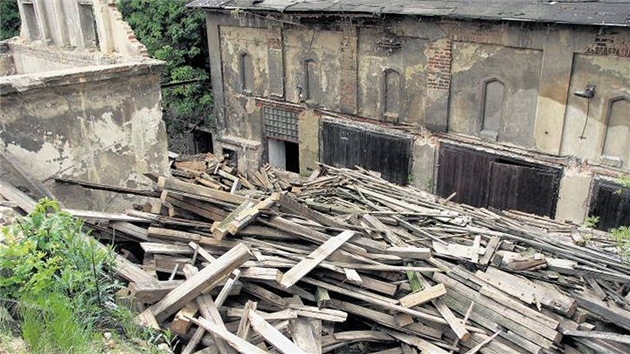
31,21
281,124
611,203
231,157
88,25
352,146
246,67
482,179
202,142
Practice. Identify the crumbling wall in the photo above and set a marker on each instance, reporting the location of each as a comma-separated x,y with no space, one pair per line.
101,124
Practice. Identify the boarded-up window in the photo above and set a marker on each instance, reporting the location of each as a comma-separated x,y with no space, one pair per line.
482,179
611,204
391,94
311,80
616,149
493,95
246,68
347,146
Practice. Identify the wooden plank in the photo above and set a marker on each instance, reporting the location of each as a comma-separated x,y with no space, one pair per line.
421,297
419,253
491,247
207,277
209,310
130,229
291,205
506,317
296,273
302,332
237,343
612,314
181,323
386,319
194,189
272,335
548,297
458,327
608,336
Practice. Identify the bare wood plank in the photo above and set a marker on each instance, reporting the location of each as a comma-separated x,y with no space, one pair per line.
420,253
478,347
296,273
194,189
609,336
458,327
302,332
237,343
194,286
272,335
426,295
491,247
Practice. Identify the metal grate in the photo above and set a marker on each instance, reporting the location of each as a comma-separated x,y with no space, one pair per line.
281,124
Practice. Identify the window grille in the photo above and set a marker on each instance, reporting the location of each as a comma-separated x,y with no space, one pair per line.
281,124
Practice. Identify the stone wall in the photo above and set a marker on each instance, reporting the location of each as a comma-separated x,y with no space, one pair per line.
101,124
503,87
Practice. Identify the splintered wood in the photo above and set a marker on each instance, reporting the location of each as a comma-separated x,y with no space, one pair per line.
344,261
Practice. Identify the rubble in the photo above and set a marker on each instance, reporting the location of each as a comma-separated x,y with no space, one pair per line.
344,261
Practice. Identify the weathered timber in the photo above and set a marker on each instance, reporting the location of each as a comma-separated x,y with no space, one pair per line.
312,260
194,286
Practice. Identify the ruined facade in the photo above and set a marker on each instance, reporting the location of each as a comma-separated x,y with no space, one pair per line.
80,99
510,104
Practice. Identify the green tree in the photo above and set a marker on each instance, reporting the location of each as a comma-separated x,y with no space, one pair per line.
9,19
177,35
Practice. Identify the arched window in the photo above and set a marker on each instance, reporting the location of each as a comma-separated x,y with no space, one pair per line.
391,92
616,147
311,80
492,101
246,68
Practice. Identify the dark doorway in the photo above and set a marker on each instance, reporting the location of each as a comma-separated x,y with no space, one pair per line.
611,204
483,179
202,141
284,155
348,146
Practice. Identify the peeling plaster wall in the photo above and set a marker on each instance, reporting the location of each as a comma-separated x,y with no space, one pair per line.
102,125
443,66
474,64
409,62
611,76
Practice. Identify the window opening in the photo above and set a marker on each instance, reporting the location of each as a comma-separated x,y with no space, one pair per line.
88,25
246,67
31,21
493,96
311,82
231,157
391,92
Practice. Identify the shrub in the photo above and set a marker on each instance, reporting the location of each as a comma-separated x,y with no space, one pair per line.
59,277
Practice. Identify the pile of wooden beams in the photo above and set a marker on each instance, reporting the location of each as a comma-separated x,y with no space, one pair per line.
344,261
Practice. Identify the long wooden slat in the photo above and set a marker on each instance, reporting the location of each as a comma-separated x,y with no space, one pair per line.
201,281
272,335
312,260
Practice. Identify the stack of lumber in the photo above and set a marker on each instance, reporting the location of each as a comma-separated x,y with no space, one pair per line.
344,261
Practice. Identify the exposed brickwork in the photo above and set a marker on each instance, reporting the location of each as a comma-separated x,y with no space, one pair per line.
55,55
138,48
439,65
609,42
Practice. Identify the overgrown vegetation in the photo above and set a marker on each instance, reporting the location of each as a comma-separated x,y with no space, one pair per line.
9,19
177,35
57,282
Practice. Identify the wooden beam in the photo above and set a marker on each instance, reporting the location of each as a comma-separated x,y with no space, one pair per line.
272,335
296,273
426,295
201,281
